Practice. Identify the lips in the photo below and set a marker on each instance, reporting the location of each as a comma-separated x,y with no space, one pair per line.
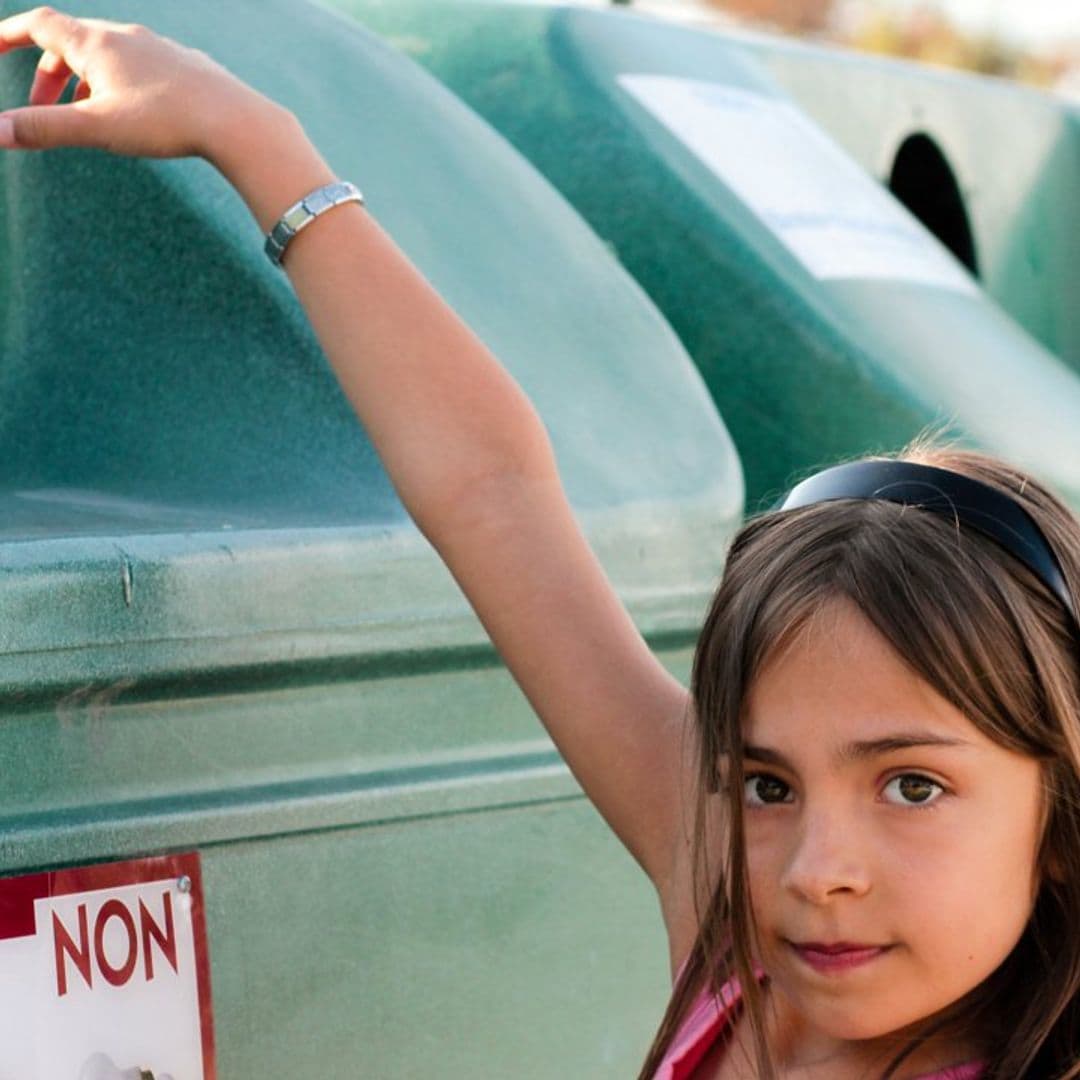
837,956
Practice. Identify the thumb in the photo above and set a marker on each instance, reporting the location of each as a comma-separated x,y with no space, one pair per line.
41,127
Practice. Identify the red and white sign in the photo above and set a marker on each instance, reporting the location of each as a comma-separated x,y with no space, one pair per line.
104,973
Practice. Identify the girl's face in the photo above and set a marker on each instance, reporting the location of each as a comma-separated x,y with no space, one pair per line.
878,816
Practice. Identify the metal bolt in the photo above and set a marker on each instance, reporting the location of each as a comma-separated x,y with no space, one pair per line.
183,883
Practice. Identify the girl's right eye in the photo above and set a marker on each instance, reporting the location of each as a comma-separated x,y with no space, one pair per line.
765,790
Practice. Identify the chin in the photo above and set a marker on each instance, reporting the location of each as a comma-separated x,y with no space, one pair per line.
851,1020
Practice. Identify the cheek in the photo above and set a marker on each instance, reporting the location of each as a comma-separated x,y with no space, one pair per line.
963,896
765,857
967,903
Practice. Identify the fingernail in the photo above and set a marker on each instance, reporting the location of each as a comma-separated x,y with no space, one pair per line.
7,132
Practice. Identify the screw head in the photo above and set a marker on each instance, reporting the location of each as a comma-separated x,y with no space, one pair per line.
183,883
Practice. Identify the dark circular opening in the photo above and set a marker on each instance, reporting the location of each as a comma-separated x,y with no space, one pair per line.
922,180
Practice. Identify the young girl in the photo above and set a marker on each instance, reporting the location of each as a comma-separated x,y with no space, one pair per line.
882,875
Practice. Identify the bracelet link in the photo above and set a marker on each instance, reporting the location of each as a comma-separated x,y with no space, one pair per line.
303,213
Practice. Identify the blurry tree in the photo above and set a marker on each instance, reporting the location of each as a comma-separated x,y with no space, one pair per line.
919,32
793,16
927,35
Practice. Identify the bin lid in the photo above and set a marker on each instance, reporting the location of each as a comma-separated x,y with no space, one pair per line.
826,319
184,485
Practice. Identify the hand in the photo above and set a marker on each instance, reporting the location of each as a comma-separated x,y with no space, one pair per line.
138,93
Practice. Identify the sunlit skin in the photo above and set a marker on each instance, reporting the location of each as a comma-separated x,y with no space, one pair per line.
930,850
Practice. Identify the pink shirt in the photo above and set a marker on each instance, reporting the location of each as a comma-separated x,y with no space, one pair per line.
709,1018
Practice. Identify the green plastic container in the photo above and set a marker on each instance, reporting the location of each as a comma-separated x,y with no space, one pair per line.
826,319
935,138
221,633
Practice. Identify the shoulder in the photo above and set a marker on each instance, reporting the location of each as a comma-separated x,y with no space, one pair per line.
711,1015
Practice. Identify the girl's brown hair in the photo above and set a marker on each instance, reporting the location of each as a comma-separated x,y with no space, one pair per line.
990,638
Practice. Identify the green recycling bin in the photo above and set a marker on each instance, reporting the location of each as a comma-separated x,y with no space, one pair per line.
827,319
262,764
935,138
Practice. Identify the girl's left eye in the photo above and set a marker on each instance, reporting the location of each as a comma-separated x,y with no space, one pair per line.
911,789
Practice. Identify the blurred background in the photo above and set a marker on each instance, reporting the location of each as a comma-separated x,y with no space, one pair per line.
1032,41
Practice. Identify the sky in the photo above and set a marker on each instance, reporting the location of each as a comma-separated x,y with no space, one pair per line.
1030,22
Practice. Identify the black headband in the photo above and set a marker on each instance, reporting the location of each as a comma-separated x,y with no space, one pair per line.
967,501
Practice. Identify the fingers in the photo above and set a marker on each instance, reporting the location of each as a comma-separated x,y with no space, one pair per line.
40,127
61,35
66,43
52,75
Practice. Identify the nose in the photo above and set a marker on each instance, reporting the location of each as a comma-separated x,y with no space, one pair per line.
826,859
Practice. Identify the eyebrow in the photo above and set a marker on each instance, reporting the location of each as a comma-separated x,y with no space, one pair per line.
859,750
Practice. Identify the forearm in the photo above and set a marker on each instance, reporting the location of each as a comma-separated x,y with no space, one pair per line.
460,441
444,416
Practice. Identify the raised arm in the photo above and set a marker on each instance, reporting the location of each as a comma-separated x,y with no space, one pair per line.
463,446
472,463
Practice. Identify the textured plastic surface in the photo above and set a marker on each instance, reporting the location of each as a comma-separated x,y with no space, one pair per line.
221,632
1023,208
806,369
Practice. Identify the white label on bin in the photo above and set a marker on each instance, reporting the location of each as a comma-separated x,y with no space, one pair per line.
834,217
104,973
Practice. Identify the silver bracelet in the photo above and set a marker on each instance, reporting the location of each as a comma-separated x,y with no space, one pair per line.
300,215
